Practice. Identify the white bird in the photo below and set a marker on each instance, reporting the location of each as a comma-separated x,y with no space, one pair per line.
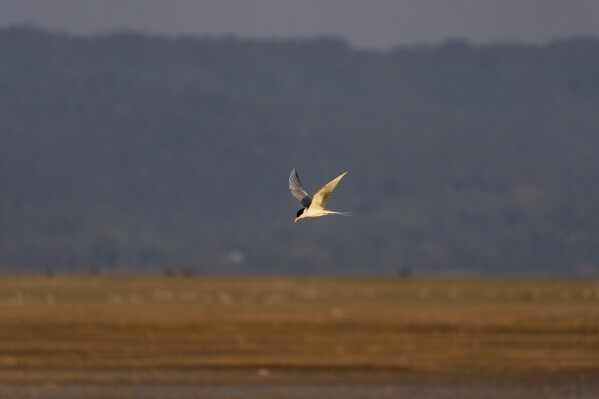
313,207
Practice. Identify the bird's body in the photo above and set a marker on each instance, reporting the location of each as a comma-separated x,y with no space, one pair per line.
313,207
314,213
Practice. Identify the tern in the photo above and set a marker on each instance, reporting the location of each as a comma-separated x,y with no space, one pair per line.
313,207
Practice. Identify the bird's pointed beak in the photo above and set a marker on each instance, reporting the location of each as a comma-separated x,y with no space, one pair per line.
296,219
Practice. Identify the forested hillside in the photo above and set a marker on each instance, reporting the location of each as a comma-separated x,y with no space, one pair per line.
133,152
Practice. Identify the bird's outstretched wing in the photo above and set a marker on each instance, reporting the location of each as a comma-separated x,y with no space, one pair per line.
295,186
321,196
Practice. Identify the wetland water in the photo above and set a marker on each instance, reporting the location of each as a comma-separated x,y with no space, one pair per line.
535,388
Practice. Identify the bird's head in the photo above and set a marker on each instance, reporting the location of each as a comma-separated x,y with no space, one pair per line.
299,214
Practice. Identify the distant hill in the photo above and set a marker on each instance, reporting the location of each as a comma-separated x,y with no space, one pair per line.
134,152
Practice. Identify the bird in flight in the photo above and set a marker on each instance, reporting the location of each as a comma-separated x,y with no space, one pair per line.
313,207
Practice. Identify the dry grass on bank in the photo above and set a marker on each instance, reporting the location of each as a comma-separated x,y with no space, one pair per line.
475,326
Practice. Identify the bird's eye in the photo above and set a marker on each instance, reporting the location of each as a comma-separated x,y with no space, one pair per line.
300,212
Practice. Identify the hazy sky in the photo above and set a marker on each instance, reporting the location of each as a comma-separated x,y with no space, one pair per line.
373,24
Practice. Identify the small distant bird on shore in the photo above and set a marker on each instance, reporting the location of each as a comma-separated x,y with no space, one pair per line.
313,207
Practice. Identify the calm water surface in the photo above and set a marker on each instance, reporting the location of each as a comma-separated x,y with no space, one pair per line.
561,390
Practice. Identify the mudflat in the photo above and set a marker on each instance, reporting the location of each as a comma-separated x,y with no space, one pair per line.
252,336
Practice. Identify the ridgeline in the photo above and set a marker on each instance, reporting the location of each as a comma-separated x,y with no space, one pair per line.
135,152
